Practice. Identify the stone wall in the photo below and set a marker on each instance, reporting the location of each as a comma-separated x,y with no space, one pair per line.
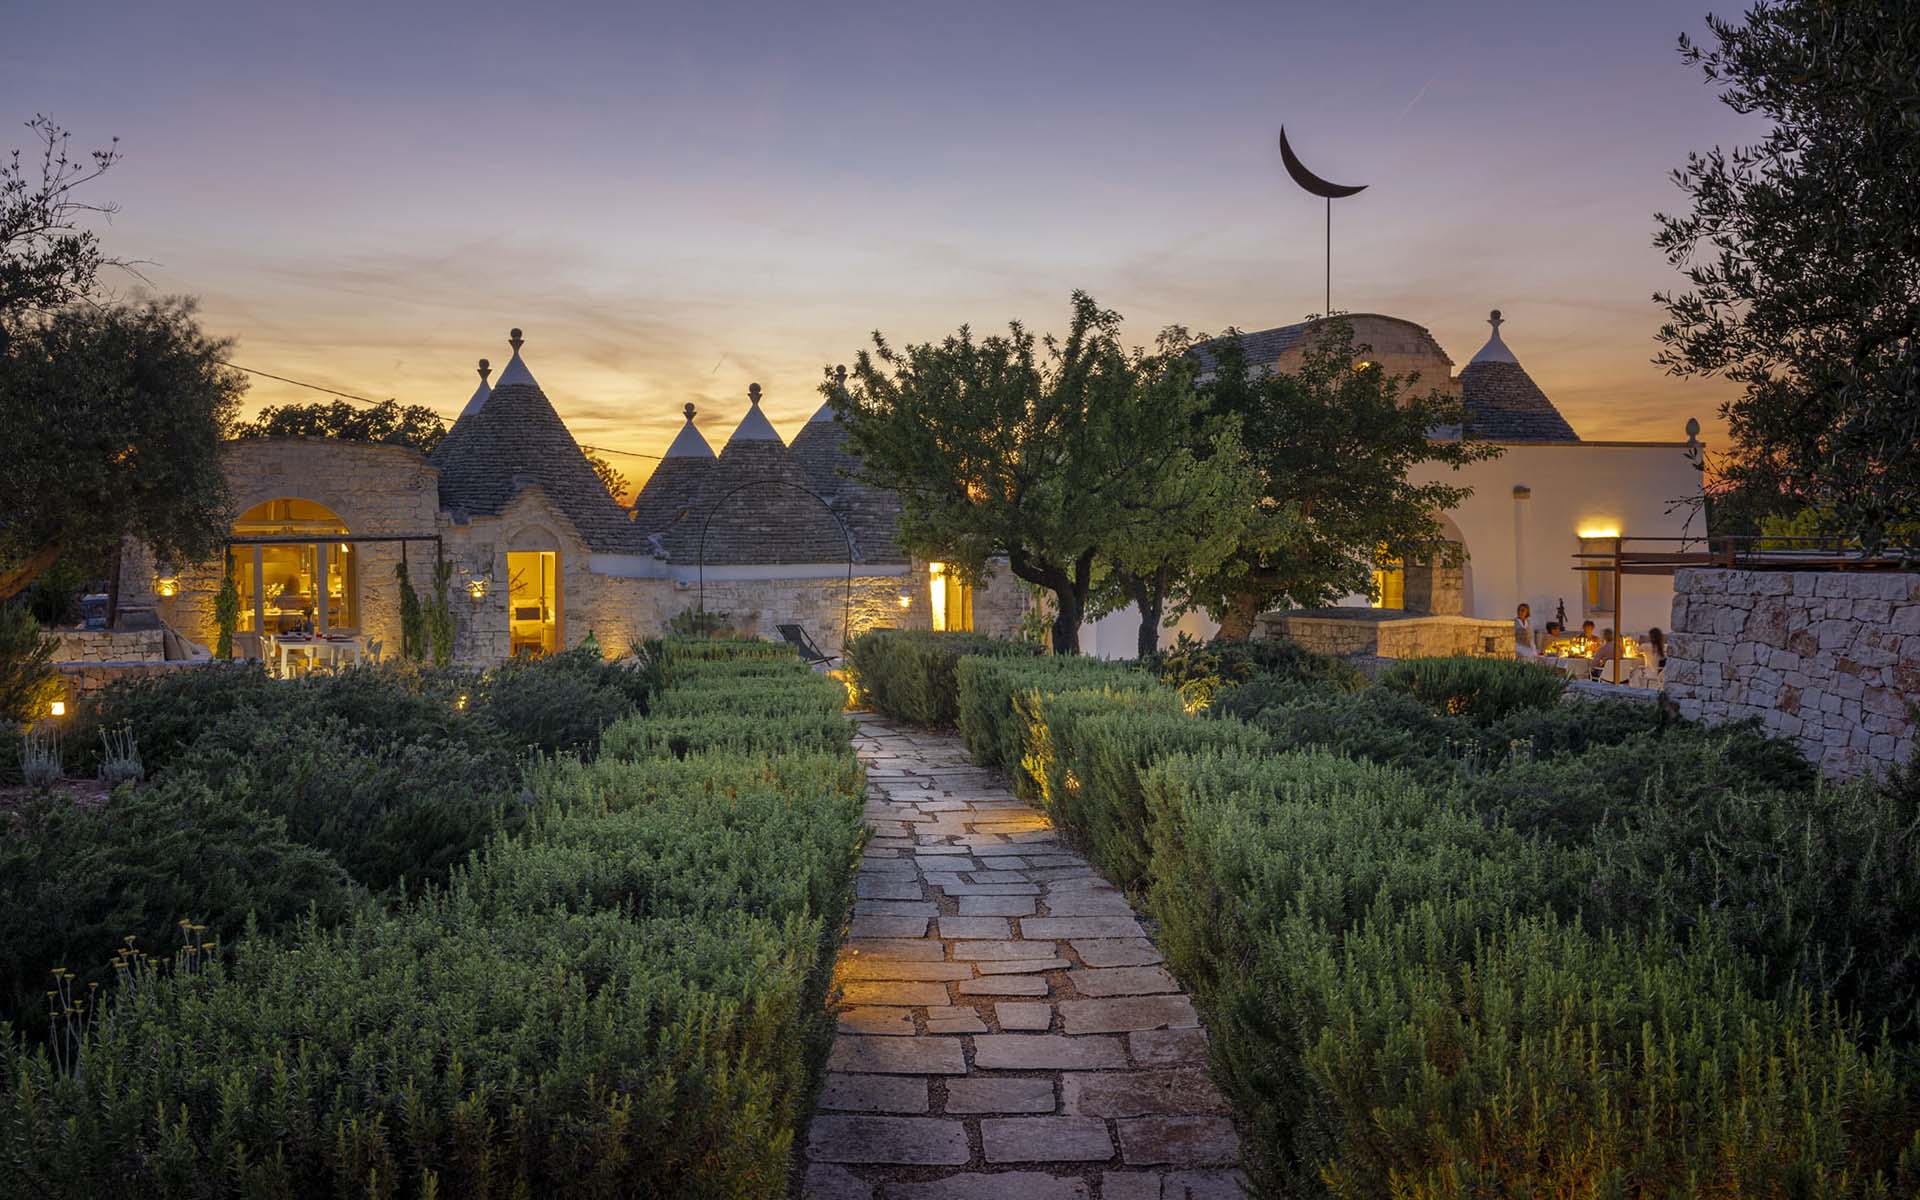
1828,659
109,646
1365,632
84,678
373,489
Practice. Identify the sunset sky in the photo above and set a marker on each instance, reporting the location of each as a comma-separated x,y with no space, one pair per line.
675,201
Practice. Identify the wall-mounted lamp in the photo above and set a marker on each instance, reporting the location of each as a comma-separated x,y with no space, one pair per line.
1522,492
57,709
477,588
1600,531
906,599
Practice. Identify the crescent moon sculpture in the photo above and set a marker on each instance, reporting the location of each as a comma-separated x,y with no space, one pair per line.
1307,179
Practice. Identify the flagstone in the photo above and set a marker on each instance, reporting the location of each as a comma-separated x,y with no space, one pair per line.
1121,981
1127,1013
911,949
1116,952
1020,966
1181,1090
1045,1139
1004,985
996,906
903,992
875,1093
1020,1094
898,1056
877,1019
1081,927
998,1185
1044,1052
974,927
1168,1047
915,1140
1023,1015
893,968
876,926
1181,1141
1087,903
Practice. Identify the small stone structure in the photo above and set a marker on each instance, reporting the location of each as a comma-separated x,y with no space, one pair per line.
1830,660
1389,633
110,646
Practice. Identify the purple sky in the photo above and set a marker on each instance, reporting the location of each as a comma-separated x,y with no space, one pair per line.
675,201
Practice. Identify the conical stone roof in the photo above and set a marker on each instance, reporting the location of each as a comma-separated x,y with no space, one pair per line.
755,507
478,400
872,513
515,439
1503,403
661,509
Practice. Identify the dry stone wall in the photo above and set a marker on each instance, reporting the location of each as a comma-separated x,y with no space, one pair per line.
109,646
1830,660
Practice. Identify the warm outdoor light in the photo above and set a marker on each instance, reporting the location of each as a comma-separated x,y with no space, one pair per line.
167,585
58,708
477,588
460,702
1603,531
906,601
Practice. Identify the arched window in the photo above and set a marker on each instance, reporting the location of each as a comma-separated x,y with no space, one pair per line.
292,568
533,592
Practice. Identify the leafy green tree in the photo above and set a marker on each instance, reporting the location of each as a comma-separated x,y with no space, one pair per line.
1011,445
114,417
388,423
1802,260
47,259
1333,444
1194,502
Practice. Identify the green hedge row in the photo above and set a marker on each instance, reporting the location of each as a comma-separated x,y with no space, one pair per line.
1500,945
991,692
625,998
909,674
1397,1008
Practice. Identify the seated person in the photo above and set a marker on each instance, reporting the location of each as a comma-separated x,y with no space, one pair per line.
1523,631
1603,656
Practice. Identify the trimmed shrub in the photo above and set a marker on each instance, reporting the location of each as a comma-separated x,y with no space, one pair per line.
1481,690
678,737
77,882
1086,750
768,695
1386,1025
1201,671
28,681
626,999
559,702
1540,1060
1387,727
909,674
989,689
391,812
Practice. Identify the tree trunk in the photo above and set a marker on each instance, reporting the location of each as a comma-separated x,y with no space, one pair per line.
1236,624
1150,614
1068,613
14,580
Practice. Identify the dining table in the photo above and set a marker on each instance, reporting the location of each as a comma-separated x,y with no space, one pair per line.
313,647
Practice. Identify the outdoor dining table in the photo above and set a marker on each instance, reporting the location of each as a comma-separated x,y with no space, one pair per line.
312,647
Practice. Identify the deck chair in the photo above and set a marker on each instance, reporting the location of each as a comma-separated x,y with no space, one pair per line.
798,639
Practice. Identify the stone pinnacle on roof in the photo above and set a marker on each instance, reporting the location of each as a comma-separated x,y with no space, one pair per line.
1495,350
754,427
516,371
689,443
480,393
825,411
1502,402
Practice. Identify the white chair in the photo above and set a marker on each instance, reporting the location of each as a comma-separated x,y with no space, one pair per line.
374,646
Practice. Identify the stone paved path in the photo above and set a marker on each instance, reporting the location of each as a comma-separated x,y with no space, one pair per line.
1006,1029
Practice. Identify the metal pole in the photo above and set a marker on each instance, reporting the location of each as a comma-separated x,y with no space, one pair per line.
1619,618
1329,310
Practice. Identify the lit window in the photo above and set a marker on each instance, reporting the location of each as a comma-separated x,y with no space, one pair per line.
952,600
1390,585
1599,583
287,591
533,601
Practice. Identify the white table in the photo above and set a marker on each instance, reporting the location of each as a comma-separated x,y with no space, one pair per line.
285,646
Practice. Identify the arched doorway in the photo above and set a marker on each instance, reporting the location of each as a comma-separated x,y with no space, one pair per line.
533,592
293,569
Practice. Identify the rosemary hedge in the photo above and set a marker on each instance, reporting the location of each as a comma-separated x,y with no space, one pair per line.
908,674
1482,690
626,997
1397,1008
990,692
